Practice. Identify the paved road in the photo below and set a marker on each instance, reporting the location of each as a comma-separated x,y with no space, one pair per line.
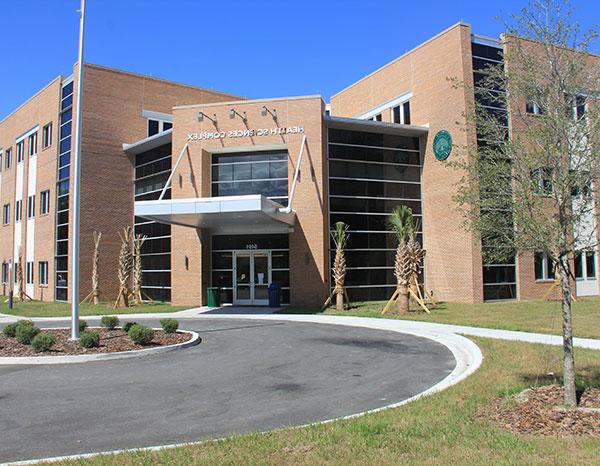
246,375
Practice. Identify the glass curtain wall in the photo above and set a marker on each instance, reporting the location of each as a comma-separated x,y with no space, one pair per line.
61,260
370,174
499,279
152,170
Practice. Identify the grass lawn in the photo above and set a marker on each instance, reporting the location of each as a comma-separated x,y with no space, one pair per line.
54,309
530,316
441,429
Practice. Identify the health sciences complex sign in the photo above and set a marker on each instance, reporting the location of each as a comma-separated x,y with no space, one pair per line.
244,133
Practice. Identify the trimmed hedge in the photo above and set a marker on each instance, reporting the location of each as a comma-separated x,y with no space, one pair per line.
43,342
89,339
26,333
110,322
169,325
141,334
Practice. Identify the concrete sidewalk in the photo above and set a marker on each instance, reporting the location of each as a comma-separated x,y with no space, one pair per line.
408,326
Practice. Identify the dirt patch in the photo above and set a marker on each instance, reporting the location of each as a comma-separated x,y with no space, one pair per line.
539,411
111,341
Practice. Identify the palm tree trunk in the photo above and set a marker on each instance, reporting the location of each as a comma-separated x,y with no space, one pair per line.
403,299
570,399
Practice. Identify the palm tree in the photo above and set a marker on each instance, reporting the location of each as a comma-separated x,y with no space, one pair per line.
402,223
340,235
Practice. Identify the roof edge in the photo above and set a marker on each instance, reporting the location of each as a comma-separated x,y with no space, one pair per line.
58,78
431,39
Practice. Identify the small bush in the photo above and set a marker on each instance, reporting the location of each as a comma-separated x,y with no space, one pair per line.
89,339
26,333
10,330
169,325
128,325
110,322
43,342
141,334
82,325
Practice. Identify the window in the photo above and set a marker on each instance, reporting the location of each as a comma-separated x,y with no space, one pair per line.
47,136
4,272
31,206
20,151
533,108
542,181
0,161
44,202
580,107
18,211
43,272
32,144
158,126
8,158
242,173
585,265
29,273
376,117
6,214
544,267
401,113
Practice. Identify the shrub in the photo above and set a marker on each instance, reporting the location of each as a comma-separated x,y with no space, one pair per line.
82,325
141,334
89,339
25,333
110,322
169,325
10,330
128,325
43,342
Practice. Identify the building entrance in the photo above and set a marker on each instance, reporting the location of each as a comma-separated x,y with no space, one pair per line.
251,277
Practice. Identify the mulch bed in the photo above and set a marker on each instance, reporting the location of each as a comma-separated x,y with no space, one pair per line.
111,341
539,411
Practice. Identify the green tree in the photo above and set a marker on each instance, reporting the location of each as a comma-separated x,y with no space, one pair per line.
529,183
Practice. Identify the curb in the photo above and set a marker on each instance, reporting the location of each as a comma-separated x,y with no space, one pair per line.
467,354
82,358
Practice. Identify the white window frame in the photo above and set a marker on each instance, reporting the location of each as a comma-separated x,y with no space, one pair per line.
47,136
29,273
6,214
32,144
537,110
402,116
8,158
45,202
20,151
386,106
545,268
31,207
18,210
43,273
5,273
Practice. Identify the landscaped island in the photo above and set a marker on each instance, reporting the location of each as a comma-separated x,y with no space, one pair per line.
23,338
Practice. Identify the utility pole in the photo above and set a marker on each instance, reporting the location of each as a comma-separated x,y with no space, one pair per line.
75,191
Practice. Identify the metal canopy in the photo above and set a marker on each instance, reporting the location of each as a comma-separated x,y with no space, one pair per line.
223,215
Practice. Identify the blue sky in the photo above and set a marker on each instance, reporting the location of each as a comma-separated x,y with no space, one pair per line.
262,48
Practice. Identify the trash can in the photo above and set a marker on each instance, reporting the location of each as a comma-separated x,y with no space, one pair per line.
213,297
274,295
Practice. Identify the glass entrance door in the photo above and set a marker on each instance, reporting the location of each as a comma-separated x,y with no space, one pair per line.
252,275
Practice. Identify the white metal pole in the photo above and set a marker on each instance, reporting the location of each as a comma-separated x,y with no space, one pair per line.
75,189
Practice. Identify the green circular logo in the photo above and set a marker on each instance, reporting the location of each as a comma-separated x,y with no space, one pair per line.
442,145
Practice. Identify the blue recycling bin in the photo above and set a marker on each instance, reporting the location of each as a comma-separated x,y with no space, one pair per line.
274,295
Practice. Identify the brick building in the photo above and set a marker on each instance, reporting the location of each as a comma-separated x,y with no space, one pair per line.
236,193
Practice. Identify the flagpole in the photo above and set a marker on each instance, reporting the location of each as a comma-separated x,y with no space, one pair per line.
75,191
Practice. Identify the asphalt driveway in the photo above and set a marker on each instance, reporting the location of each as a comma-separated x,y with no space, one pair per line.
246,375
